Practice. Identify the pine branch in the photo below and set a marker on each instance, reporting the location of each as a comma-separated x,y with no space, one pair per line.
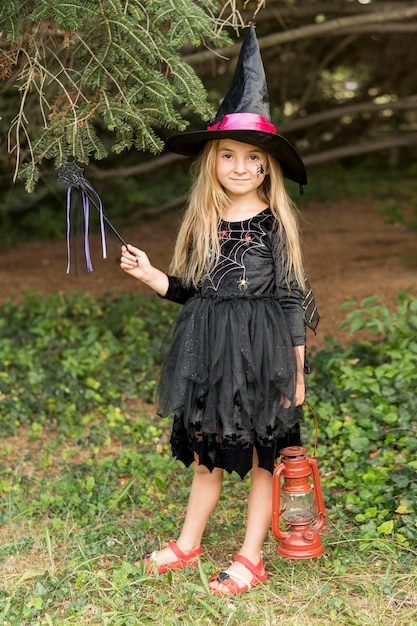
83,65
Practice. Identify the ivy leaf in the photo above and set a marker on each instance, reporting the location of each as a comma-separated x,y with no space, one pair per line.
359,444
386,528
403,509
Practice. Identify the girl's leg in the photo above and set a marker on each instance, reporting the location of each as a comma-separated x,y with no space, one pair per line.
204,494
258,523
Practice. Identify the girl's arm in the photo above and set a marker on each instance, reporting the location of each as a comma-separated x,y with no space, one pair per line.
136,263
299,352
293,311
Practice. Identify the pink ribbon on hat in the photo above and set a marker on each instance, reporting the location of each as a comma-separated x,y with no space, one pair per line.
244,121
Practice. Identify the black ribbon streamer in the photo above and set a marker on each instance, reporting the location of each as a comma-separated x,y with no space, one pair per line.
80,191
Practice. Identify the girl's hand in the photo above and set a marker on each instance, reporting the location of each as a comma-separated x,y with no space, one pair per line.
299,394
136,263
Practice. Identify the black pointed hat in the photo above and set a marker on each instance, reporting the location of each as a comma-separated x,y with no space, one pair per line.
244,115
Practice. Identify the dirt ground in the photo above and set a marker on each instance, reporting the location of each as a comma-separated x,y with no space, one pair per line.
349,250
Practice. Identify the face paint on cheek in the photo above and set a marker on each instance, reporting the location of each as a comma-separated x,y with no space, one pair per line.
260,170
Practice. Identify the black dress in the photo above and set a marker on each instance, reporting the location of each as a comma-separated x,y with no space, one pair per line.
231,358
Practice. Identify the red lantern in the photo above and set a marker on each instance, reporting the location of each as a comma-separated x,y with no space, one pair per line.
298,504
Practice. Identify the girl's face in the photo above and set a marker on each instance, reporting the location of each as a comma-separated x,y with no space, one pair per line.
240,167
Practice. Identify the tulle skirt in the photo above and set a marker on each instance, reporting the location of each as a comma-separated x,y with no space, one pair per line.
227,377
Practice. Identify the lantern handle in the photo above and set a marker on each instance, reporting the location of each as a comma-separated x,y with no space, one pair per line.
321,510
276,504
317,427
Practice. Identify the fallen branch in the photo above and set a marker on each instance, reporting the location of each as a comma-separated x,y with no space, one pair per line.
328,28
356,149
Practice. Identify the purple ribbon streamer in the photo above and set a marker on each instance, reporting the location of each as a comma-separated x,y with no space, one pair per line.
86,211
68,229
101,217
86,207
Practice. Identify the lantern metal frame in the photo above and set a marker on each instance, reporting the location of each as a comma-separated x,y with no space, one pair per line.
300,539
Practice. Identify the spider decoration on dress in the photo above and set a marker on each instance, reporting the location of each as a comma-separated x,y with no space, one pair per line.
79,195
242,284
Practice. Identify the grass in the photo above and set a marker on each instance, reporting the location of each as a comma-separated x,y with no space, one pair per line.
78,509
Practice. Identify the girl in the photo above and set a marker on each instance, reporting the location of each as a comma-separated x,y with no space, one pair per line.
234,373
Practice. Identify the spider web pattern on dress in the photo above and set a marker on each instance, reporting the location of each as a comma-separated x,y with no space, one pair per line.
235,257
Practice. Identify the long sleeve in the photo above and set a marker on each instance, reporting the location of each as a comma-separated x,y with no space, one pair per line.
177,292
291,300
289,294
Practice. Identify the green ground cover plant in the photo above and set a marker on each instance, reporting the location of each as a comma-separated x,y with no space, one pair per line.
366,395
87,481
63,355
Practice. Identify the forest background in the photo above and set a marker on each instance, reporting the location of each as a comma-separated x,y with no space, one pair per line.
85,470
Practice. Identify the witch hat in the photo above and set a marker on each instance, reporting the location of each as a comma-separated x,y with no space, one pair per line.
244,115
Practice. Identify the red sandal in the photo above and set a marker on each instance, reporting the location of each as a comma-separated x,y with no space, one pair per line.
184,560
225,578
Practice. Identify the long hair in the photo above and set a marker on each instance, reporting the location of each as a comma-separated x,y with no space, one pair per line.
274,193
197,248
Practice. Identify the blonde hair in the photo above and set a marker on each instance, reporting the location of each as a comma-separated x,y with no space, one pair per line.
197,247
